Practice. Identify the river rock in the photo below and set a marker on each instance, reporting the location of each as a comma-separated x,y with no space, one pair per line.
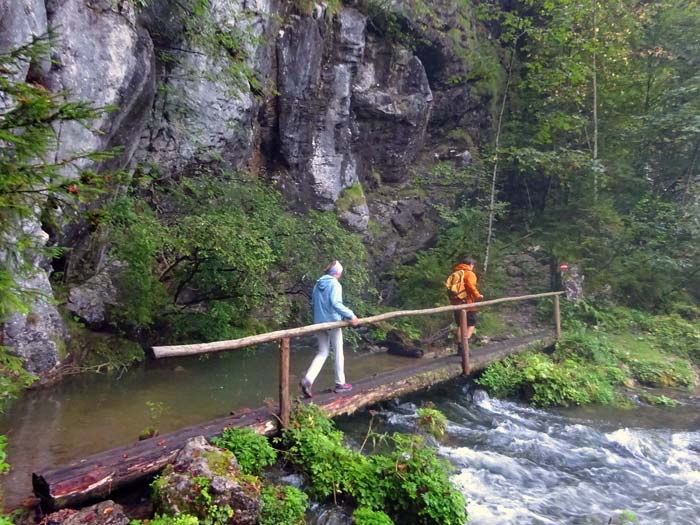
400,344
178,490
104,513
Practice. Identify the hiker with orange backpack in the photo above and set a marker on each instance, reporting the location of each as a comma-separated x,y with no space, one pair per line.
461,289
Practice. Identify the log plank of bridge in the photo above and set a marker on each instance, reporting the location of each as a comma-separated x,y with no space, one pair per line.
99,475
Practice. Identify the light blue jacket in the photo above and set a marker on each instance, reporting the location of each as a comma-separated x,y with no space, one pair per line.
327,300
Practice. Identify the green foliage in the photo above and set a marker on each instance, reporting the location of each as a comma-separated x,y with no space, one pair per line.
389,21
662,400
564,379
366,516
285,504
164,519
4,466
602,347
314,445
306,7
13,377
227,43
432,421
101,352
188,271
416,485
209,512
350,197
29,179
676,335
662,372
5,519
252,450
626,517
410,484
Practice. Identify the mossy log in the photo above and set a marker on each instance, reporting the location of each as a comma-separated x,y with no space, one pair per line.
99,475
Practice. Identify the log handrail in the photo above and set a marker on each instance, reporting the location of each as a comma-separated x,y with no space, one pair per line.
233,344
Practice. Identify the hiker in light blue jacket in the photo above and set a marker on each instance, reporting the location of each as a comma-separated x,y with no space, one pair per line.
327,300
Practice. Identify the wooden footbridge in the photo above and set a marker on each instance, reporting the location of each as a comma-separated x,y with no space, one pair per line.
98,476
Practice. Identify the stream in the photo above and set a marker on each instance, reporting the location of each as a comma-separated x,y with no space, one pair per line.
520,465
515,464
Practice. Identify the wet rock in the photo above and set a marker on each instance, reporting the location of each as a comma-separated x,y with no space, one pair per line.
399,344
478,395
91,300
179,488
103,513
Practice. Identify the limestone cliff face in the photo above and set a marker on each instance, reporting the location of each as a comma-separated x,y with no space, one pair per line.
338,105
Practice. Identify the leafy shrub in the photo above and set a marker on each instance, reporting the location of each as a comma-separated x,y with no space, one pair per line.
164,519
13,376
585,347
365,516
662,400
30,175
416,485
410,484
186,271
678,336
548,382
282,505
432,421
315,446
662,372
252,450
503,378
4,466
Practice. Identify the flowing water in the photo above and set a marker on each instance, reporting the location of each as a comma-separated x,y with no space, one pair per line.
515,464
91,413
519,465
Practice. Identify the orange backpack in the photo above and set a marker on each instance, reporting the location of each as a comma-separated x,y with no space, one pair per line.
455,285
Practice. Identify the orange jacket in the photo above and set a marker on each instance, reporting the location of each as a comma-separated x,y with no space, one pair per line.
469,284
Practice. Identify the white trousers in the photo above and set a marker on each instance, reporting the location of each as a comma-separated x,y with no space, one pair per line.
325,339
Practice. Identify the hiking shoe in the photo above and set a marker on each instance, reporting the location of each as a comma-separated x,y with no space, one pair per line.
345,387
306,388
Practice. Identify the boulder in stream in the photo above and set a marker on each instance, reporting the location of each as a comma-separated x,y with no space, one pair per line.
204,480
103,513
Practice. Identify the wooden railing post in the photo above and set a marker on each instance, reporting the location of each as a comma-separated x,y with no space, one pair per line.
284,382
465,341
557,317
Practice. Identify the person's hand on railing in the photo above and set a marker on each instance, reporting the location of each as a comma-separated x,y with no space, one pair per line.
354,321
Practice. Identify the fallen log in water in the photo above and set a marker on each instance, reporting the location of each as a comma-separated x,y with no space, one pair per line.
99,475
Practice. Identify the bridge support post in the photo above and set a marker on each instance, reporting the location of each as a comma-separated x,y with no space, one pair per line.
284,382
557,317
465,341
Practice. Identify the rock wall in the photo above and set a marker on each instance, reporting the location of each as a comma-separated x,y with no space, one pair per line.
336,103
